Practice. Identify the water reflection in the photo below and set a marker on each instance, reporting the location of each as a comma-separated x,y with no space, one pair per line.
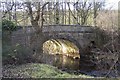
61,61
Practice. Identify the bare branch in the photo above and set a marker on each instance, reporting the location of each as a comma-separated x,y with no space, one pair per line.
11,7
43,13
71,12
38,13
30,10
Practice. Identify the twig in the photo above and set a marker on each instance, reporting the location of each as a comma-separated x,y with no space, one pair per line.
109,42
115,61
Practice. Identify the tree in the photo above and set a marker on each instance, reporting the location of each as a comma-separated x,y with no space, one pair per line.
37,38
97,7
85,9
34,20
57,13
35,15
7,8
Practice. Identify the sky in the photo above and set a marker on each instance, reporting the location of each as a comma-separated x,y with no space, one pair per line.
113,4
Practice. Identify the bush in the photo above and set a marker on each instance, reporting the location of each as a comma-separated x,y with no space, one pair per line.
8,25
17,54
102,37
7,28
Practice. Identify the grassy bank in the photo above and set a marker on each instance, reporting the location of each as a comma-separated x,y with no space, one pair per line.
35,70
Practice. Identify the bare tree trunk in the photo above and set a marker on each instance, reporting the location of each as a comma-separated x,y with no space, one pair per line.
15,14
57,13
9,15
37,38
94,18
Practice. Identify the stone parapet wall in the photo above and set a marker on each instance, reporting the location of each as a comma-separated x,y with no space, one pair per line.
80,35
68,29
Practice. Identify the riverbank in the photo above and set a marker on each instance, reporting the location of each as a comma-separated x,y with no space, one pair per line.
36,70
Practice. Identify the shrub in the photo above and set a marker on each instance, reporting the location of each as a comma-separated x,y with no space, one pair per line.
17,54
8,25
102,37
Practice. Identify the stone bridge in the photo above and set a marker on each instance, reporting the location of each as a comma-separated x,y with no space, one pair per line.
79,35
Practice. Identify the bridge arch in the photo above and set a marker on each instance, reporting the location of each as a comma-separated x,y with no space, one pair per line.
65,45
64,37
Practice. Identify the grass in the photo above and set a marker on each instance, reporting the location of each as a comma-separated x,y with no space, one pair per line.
36,70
